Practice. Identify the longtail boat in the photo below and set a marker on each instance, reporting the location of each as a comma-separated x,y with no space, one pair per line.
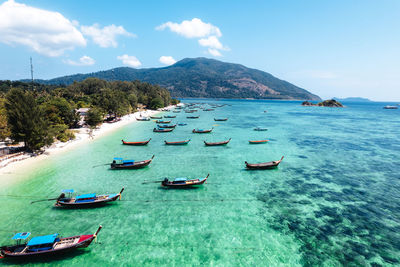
143,119
169,116
183,182
182,124
258,141
120,163
45,245
222,119
86,200
264,165
185,142
260,129
162,121
166,126
208,109
176,111
141,143
156,117
193,117
217,143
163,130
202,131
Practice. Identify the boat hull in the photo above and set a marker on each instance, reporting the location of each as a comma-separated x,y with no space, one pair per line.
138,165
95,203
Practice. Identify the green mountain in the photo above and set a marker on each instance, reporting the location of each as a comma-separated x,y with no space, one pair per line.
203,77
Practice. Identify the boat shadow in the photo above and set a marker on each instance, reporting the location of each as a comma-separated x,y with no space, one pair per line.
103,206
44,258
180,189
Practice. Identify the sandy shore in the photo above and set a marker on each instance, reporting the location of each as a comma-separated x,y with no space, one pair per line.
25,161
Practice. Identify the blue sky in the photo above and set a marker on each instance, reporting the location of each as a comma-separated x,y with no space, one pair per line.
331,48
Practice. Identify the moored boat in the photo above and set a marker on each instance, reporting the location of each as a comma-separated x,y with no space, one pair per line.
169,116
140,143
86,200
221,119
264,165
260,129
185,142
390,107
208,109
163,130
143,119
258,141
162,121
166,126
45,245
156,117
183,182
182,124
202,131
120,163
217,143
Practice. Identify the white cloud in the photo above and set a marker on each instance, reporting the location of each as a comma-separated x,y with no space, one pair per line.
167,60
46,32
194,28
106,36
83,61
212,42
214,52
130,60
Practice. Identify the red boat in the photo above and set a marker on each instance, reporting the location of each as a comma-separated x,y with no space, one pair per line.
45,245
217,143
264,165
142,143
183,182
202,131
258,141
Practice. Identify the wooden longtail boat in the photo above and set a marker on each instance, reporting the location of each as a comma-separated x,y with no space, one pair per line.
224,119
142,143
182,124
193,117
143,119
176,111
163,130
45,245
161,121
120,163
202,131
178,143
264,165
217,143
260,129
86,200
208,109
166,126
183,182
258,141
169,116
156,117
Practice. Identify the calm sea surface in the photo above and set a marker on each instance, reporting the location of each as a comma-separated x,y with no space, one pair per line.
334,200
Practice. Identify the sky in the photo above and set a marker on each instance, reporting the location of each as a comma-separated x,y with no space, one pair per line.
330,48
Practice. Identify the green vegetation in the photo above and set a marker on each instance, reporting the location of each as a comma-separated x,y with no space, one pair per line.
203,77
39,114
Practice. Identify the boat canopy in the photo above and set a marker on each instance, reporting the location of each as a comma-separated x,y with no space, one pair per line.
180,179
40,240
22,236
68,191
129,161
85,196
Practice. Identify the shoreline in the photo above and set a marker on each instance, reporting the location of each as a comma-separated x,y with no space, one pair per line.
81,137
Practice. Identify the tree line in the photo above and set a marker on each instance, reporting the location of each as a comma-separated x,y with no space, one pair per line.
39,114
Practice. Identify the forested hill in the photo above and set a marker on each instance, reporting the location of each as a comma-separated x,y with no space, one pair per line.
203,77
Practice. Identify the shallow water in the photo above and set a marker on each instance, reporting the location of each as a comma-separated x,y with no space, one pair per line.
334,200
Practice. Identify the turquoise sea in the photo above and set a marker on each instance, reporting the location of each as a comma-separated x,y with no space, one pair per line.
333,201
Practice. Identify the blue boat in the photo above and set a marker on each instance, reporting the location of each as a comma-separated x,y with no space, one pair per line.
85,200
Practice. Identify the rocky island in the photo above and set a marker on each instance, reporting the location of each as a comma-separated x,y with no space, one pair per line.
326,103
